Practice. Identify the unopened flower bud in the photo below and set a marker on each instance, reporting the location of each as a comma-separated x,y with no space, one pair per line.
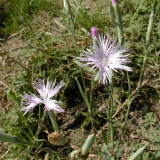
150,27
137,153
114,1
94,32
88,144
112,13
67,7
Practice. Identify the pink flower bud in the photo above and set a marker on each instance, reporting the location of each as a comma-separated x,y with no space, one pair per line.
114,1
94,32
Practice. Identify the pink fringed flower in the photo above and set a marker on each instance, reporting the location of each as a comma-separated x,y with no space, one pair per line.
114,1
46,92
105,58
94,32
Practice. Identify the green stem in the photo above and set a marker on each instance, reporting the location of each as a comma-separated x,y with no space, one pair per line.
108,115
129,100
111,113
90,101
90,113
110,124
53,120
94,133
141,77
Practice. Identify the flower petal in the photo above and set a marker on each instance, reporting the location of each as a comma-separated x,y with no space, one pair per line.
40,87
52,105
106,58
52,92
31,102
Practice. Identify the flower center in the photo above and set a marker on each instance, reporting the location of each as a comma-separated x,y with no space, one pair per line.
105,61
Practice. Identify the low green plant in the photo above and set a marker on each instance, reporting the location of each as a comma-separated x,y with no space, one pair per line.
19,13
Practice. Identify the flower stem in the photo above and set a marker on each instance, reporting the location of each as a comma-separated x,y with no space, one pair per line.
94,133
129,100
110,124
90,113
53,120
111,113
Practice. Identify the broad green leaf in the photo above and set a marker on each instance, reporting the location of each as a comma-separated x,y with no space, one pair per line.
12,139
11,95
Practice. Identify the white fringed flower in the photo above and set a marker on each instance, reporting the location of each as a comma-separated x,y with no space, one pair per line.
46,92
106,58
